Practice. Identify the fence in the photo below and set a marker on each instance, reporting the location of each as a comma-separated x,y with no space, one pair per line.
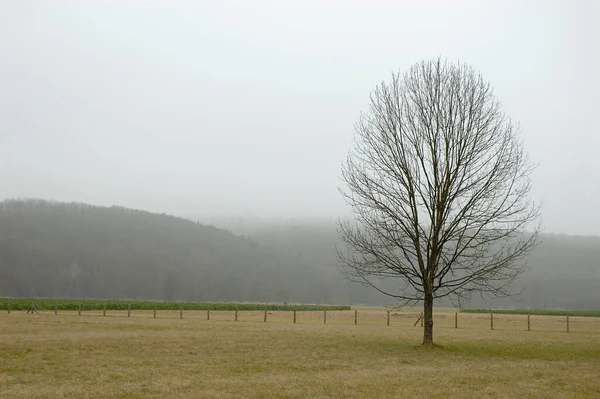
456,320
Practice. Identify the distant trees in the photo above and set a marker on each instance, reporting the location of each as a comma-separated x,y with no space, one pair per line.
71,273
170,286
439,183
125,253
54,249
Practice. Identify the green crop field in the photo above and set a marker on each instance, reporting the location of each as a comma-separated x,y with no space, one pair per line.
98,304
578,313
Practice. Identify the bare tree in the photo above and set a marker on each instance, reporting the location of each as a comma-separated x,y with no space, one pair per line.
438,182
71,273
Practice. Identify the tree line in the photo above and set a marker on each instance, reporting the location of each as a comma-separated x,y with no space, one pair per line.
62,250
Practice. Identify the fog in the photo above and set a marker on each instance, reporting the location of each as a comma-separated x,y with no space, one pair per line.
247,108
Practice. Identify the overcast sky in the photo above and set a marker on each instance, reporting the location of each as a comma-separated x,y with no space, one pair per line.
247,107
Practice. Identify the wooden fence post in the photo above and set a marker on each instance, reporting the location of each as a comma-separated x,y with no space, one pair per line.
528,322
417,322
55,308
128,310
355,317
8,307
491,321
568,323
236,314
325,316
104,310
421,319
388,317
265,320
208,314
294,316
181,312
155,311
79,309
32,309
455,319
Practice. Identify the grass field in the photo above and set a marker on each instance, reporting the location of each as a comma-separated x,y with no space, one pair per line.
91,356
581,313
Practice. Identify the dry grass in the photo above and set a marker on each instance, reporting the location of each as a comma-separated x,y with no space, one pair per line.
90,356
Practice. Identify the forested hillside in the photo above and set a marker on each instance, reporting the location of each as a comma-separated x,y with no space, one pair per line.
564,271
51,249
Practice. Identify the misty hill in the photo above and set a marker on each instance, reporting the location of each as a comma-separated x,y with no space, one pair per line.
564,271
53,249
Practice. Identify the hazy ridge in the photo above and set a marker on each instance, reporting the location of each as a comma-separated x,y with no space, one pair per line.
52,249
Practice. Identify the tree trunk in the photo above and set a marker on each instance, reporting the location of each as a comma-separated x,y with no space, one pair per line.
428,319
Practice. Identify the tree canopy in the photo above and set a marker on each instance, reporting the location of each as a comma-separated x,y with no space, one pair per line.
438,181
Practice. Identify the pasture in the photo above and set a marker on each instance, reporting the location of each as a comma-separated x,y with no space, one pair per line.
115,356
